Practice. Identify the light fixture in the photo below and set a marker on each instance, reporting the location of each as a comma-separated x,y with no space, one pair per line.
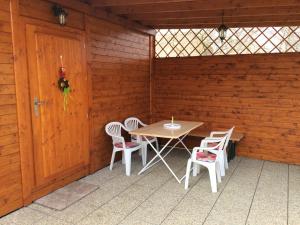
222,29
60,13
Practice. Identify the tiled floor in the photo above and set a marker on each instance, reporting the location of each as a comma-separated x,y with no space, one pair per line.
253,192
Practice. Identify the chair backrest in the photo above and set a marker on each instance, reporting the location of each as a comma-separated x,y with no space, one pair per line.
114,129
227,133
217,143
133,123
221,146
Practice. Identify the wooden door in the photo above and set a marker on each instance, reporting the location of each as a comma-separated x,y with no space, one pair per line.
60,135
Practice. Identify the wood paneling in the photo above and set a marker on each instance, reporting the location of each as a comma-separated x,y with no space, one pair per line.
119,67
10,174
259,94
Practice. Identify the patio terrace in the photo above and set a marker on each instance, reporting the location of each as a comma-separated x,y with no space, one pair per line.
253,192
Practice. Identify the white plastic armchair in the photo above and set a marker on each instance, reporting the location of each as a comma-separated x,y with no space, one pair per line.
114,129
208,157
218,134
133,123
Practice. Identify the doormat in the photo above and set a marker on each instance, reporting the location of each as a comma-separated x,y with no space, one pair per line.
66,196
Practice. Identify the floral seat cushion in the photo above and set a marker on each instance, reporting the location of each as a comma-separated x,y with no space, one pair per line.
207,157
127,144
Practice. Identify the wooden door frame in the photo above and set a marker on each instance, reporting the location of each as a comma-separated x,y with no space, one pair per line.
24,104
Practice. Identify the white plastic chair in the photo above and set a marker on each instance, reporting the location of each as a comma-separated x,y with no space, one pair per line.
114,129
223,159
208,157
133,123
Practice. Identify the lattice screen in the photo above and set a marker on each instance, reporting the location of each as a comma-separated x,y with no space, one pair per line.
203,42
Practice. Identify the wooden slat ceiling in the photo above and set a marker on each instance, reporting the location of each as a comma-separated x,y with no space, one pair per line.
204,13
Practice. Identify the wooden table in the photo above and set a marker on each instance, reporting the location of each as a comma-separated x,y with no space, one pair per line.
158,130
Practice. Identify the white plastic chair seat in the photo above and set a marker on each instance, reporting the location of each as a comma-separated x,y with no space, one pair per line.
128,145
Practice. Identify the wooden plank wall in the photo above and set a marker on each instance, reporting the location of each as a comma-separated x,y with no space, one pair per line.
118,63
119,66
259,94
10,174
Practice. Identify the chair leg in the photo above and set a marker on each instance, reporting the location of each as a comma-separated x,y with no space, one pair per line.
128,162
144,154
187,174
123,157
225,160
195,169
222,165
212,176
157,145
112,160
218,172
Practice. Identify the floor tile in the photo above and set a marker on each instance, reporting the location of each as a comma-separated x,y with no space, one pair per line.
270,201
74,213
24,216
135,222
294,195
121,204
138,192
102,217
232,207
51,221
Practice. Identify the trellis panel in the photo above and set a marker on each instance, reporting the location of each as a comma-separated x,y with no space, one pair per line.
204,42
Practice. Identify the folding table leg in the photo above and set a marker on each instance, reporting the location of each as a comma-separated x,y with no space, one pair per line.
157,153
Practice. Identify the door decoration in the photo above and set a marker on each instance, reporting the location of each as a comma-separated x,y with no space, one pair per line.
63,84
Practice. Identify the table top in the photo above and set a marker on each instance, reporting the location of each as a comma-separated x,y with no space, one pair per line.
235,137
158,130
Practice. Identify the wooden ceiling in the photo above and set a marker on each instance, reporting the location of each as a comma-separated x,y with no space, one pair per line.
203,13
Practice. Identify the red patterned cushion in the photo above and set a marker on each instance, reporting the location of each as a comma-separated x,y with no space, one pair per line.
208,157
127,144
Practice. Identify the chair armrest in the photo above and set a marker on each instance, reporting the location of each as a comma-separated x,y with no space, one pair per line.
143,124
212,138
207,140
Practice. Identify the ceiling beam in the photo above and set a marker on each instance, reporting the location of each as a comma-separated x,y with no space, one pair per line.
227,20
200,5
108,3
286,10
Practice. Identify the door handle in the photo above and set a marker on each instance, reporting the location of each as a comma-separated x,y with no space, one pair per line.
36,104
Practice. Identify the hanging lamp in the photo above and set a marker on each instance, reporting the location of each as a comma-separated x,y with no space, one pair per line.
222,29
